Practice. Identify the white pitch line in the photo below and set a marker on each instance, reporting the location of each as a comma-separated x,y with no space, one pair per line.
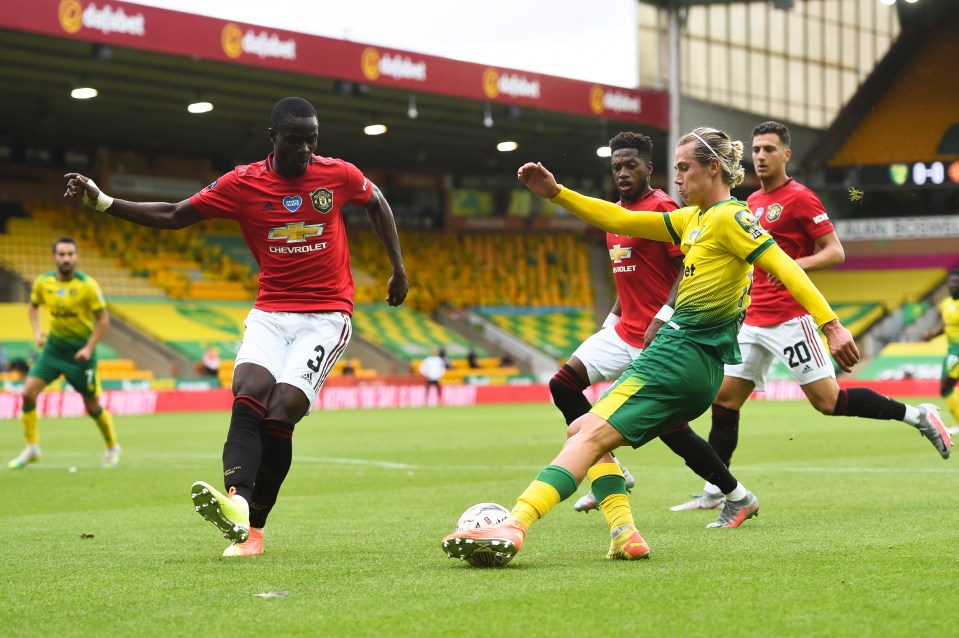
851,470
367,462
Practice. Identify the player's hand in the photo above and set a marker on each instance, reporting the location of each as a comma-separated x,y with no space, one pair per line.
84,354
40,338
842,347
397,289
539,180
650,334
79,185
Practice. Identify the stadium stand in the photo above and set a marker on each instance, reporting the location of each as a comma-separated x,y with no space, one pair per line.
26,249
863,297
408,334
928,119
461,270
555,331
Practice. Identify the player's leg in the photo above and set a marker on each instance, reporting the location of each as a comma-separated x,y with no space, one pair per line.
827,397
604,356
498,544
258,362
567,389
319,339
32,388
104,422
83,376
739,382
947,387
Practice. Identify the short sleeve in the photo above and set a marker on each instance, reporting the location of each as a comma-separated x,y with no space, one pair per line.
676,222
36,298
360,188
742,235
813,218
97,302
218,200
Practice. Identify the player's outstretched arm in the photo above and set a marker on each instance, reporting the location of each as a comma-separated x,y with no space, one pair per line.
384,225
599,213
151,214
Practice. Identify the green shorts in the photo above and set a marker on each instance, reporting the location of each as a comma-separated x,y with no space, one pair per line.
950,366
56,360
674,381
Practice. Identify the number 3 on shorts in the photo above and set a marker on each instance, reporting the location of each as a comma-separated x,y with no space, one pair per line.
315,363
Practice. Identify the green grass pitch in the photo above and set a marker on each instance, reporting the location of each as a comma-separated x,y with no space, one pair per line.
857,534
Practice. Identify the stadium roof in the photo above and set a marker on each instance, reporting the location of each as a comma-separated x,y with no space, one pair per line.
144,92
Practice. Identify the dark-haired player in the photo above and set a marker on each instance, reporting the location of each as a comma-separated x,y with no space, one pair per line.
778,327
78,320
288,207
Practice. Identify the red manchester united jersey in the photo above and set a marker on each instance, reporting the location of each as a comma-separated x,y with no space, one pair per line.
643,271
795,218
294,228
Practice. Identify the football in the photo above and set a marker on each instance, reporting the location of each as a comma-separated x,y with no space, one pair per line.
482,515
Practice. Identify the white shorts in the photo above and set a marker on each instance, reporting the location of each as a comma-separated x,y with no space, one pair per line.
298,348
606,356
795,342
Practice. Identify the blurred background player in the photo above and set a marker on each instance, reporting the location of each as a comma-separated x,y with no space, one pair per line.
288,207
78,320
433,368
646,274
778,327
949,323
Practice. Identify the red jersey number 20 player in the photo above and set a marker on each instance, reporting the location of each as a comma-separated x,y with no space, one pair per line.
777,327
288,207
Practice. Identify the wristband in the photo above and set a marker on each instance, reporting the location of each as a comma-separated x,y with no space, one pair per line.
611,320
102,202
665,314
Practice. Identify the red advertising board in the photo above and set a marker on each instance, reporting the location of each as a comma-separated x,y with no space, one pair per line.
175,33
359,397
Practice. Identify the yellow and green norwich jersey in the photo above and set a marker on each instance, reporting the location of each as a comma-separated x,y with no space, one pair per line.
72,305
720,246
949,309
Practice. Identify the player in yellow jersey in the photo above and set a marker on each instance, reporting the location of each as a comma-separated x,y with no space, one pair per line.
679,374
949,314
78,320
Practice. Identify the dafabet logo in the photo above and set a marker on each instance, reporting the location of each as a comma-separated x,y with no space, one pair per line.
73,17
601,100
398,66
235,42
510,84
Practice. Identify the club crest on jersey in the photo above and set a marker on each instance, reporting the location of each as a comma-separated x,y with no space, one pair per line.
292,203
774,212
322,199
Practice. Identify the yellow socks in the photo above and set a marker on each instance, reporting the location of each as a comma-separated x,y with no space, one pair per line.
104,422
952,401
609,488
31,426
551,486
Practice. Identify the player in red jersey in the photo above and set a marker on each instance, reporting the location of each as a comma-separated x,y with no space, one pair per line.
647,274
288,207
776,326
